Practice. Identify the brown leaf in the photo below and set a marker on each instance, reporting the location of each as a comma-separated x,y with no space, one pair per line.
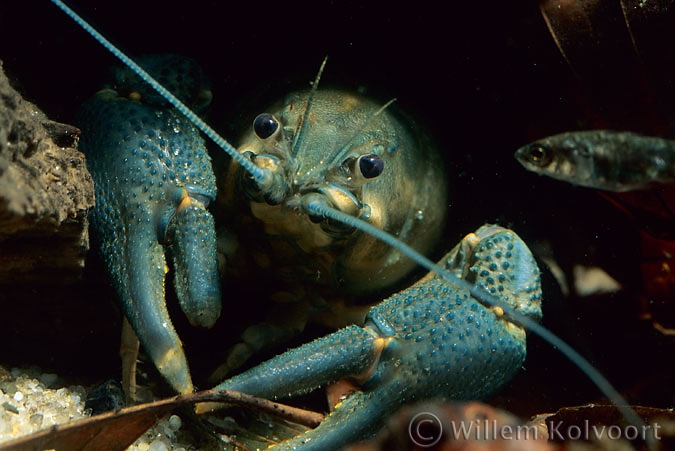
118,430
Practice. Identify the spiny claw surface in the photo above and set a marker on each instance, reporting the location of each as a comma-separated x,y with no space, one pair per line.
154,179
432,340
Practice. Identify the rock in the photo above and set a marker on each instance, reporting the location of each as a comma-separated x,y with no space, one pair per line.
54,310
45,195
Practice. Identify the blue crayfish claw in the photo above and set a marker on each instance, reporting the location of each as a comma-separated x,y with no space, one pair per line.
430,341
154,180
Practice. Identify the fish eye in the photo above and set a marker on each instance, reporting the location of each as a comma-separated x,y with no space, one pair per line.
265,125
540,154
371,166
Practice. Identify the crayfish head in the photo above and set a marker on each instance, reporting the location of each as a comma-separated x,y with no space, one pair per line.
353,155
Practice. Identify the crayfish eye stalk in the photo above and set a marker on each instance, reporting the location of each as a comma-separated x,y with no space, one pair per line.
266,127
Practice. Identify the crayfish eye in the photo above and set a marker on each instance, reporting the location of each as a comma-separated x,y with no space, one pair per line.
265,125
371,166
540,154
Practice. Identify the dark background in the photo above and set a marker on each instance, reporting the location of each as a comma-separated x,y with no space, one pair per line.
484,77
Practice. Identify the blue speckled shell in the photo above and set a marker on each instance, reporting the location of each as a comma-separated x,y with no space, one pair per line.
145,160
453,347
437,342
180,75
139,146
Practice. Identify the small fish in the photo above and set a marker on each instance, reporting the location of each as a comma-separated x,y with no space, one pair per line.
602,159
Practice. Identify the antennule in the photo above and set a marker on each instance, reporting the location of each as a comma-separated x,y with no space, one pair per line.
300,135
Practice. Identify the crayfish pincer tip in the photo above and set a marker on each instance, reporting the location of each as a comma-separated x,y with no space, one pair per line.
205,318
173,367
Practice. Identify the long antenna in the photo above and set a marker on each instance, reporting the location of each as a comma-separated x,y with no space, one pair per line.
600,381
320,209
258,174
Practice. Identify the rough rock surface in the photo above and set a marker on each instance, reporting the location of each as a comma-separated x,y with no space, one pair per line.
45,194
53,310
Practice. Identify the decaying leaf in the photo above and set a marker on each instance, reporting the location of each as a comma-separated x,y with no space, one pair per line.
118,430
